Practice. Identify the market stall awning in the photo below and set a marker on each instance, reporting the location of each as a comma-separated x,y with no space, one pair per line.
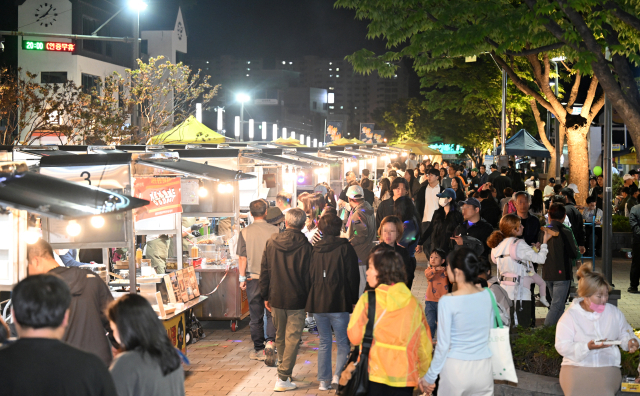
310,157
417,147
58,198
276,159
344,142
522,143
289,142
194,169
190,131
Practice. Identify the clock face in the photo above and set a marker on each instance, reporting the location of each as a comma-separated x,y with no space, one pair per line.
180,30
46,14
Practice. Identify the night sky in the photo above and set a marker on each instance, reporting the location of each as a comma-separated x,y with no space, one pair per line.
273,28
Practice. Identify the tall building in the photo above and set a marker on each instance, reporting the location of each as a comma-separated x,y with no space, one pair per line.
350,97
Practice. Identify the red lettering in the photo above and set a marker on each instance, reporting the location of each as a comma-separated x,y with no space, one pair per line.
50,46
71,47
64,46
58,46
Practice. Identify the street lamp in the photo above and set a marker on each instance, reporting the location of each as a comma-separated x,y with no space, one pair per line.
557,125
275,131
137,6
242,97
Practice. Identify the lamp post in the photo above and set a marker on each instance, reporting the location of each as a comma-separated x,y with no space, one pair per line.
137,6
241,97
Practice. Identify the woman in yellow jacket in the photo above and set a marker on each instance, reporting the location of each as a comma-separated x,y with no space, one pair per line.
401,350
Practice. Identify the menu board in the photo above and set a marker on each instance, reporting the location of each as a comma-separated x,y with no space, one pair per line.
182,285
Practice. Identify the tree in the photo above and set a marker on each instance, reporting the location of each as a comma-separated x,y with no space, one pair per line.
402,120
433,33
165,94
30,110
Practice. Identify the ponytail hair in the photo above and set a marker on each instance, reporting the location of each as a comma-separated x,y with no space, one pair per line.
589,282
466,261
508,226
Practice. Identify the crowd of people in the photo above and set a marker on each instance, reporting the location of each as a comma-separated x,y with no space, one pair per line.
324,260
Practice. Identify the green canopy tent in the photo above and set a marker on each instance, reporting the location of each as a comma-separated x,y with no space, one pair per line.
191,131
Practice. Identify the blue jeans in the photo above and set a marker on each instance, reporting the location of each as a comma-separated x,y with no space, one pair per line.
339,322
559,292
431,311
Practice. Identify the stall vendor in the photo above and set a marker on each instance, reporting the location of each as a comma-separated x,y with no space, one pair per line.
157,250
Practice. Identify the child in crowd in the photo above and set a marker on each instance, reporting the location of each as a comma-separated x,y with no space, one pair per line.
438,286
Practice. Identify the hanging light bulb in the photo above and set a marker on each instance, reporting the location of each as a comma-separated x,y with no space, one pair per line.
73,228
202,191
31,236
97,221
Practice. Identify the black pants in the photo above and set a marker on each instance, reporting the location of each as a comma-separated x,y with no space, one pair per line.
635,263
256,314
411,271
377,389
524,315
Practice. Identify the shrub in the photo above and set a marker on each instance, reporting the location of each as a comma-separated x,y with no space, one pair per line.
620,224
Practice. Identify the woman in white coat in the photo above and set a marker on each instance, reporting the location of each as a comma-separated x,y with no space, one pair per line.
515,273
589,365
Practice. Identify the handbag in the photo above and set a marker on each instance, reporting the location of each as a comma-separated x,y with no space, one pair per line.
501,357
358,384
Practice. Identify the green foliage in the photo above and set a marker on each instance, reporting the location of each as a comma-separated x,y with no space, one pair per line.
617,184
404,119
620,223
165,93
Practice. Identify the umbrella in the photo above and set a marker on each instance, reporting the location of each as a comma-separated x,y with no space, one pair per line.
416,147
291,142
189,132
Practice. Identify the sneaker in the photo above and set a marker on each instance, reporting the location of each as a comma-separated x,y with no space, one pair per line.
283,386
257,355
335,381
270,354
544,301
633,290
324,386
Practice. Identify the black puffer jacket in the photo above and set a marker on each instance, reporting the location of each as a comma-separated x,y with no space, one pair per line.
441,229
284,272
335,276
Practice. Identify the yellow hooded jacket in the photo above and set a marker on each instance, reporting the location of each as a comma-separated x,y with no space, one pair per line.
401,351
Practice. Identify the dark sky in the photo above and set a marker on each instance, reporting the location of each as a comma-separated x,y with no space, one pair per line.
274,28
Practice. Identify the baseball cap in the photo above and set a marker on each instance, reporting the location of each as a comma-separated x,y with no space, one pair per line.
474,170
321,189
447,193
471,201
574,187
627,177
355,192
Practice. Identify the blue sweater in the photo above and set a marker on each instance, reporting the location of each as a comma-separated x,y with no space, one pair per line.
464,323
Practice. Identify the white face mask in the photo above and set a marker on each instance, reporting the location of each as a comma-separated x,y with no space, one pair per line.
443,201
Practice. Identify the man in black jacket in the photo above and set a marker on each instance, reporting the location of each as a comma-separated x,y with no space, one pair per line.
284,286
494,173
399,188
90,296
575,217
473,225
501,182
443,224
489,208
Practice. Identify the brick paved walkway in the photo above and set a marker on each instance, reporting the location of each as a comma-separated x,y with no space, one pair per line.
220,362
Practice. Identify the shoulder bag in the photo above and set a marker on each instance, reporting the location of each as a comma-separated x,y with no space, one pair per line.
358,384
501,357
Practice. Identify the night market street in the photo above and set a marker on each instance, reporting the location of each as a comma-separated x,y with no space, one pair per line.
220,364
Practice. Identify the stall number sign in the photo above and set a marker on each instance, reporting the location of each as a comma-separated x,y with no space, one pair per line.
48,46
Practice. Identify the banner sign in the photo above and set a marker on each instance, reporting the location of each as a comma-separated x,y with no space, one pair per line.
333,132
164,194
378,137
366,132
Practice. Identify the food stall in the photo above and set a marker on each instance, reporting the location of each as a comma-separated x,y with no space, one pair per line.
175,187
24,195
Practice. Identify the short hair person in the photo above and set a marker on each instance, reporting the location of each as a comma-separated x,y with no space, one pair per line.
284,286
87,326
39,363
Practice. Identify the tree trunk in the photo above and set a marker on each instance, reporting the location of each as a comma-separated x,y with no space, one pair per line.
579,161
551,172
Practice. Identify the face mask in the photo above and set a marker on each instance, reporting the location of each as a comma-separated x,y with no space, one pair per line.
443,202
597,307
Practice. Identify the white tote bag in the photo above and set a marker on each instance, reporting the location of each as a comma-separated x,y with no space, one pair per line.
501,359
